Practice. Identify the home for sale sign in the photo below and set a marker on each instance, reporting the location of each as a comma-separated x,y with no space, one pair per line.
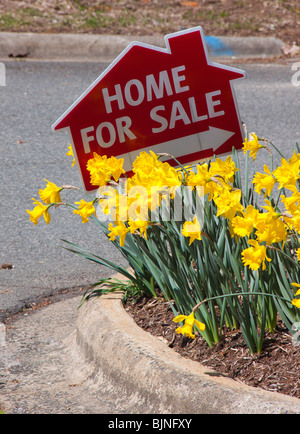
170,100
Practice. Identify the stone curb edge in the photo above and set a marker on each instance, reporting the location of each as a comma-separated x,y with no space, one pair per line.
86,47
144,368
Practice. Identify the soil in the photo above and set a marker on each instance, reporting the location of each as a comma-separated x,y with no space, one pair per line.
276,369
279,18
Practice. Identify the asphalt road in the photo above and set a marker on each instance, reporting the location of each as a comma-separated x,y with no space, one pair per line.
35,95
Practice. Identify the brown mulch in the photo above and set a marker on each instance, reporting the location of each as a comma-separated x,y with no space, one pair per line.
149,17
276,369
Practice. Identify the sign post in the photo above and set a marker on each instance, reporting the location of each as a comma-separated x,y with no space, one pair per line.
169,100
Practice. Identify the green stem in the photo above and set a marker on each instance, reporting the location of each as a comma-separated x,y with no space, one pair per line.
275,147
284,254
238,293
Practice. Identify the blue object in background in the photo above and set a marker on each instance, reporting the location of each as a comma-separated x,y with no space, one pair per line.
217,46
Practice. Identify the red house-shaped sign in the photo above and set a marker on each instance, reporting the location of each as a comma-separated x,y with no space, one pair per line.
172,100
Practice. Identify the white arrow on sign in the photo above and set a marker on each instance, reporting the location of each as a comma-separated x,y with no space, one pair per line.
212,138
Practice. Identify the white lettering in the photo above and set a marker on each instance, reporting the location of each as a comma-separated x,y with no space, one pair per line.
117,97
140,90
87,139
157,118
135,90
190,114
107,133
2,74
111,133
123,125
138,208
296,76
177,79
177,107
188,422
211,104
164,423
193,109
127,424
155,423
158,90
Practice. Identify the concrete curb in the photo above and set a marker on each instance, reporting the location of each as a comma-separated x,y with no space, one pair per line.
158,379
86,47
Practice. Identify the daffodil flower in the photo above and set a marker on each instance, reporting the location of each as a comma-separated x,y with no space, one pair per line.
39,211
192,230
243,226
200,178
85,210
115,167
120,230
252,145
255,255
70,153
287,174
102,169
189,322
264,181
296,301
140,225
51,193
228,203
226,169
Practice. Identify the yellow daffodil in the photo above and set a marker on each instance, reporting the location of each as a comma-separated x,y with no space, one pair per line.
255,255
70,153
287,174
226,169
228,203
264,181
119,230
189,322
269,227
243,226
85,210
39,211
294,222
296,301
109,198
169,177
192,230
114,166
145,163
200,178
272,231
139,225
298,254
294,158
51,193
102,169
252,145
97,168
212,185
292,203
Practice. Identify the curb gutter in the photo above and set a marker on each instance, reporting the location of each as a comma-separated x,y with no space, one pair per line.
143,368
86,47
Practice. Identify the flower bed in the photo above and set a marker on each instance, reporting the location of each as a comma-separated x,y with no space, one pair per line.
276,369
223,261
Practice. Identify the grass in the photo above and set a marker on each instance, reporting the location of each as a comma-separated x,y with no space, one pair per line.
7,21
146,16
21,19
